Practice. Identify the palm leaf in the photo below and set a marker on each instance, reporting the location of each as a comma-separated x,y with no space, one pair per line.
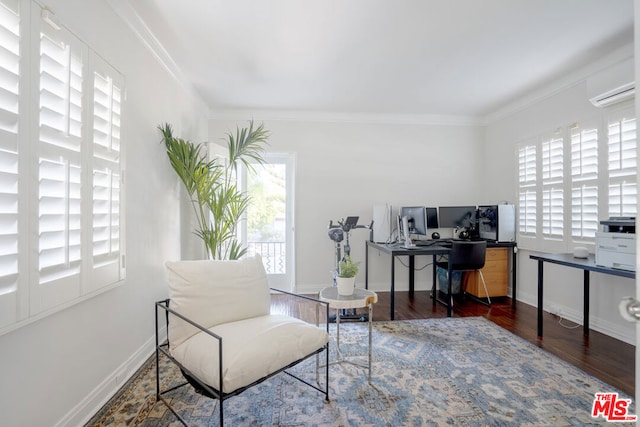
247,146
217,201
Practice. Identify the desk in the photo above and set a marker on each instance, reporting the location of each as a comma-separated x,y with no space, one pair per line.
395,250
359,298
585,264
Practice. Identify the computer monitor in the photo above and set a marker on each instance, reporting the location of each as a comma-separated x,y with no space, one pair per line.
457,216
417,217
432,218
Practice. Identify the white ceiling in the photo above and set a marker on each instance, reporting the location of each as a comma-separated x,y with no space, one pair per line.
416,57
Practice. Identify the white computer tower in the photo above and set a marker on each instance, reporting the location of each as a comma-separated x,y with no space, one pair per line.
383,223
497,222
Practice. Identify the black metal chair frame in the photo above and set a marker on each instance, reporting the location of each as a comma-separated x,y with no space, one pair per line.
216,393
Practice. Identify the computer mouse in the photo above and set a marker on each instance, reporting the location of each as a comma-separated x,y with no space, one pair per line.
435,235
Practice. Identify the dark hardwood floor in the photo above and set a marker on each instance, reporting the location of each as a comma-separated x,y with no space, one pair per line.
606,358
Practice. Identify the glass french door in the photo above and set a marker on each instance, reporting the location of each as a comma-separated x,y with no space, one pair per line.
269,224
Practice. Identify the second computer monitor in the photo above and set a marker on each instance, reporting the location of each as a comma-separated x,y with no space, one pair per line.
432,218
457,216
417,217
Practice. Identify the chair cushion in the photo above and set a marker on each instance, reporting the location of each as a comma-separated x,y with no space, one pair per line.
214,292
252,349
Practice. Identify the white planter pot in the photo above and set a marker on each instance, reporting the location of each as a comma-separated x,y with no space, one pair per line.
345,285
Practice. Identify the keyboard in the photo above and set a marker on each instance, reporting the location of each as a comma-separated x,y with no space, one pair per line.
431,242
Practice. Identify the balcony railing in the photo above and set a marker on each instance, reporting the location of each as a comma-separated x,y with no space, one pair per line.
274,255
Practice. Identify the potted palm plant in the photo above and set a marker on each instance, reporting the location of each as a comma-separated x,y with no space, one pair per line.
217,201
346,276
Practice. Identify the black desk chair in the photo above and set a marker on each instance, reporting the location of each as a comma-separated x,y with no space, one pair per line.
468,256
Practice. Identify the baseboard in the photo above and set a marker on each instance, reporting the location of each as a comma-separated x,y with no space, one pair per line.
597,324
95,400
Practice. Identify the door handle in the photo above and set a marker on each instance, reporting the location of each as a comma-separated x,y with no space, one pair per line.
630,309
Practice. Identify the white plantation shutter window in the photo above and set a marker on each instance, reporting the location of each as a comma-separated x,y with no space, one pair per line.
61,168
62,61
106,200
527,208
553,212
106,225
8,221
622,147
9,172
584,211
61,68
59,219
584,182
527,165
622,164
552,187
107,106
584,153
527,212
552,159
9,68
564,177
623,197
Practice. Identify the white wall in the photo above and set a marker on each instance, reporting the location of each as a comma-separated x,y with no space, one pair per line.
563,286
344,168
60,369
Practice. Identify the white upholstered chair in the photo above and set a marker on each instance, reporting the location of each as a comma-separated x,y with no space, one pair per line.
221,334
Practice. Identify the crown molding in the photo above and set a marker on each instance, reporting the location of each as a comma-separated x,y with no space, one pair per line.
132,19
129,15
330,117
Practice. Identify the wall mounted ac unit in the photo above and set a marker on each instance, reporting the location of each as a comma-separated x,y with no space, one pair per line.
614,96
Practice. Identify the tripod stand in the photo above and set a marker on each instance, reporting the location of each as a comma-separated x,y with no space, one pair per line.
339,232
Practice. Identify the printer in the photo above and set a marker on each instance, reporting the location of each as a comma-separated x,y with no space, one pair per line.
616,243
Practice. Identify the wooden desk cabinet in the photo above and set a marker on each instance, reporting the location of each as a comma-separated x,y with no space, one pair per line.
495,272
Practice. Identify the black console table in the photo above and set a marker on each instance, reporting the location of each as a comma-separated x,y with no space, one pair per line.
585,264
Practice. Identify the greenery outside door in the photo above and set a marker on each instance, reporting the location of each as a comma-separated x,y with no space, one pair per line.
269,226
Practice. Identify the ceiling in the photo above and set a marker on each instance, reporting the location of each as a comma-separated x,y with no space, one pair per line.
404,57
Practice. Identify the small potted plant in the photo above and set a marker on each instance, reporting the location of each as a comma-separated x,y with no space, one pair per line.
346,278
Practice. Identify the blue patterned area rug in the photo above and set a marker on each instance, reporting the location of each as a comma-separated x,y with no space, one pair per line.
431,372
